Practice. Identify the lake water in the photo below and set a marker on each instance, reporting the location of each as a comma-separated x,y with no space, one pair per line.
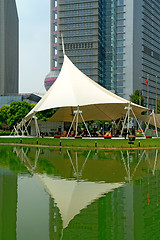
48,194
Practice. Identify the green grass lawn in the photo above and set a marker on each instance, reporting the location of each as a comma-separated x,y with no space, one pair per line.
91,143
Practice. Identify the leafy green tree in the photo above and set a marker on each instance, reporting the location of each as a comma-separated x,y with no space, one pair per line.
17,110
4,114
135,97
46,114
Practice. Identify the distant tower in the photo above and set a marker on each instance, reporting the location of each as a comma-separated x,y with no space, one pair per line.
53,74
9,46
50,79
53,31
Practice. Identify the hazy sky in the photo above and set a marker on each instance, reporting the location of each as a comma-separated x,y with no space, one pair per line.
34,40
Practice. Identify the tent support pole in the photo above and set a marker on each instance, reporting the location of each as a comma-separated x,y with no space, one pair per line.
85,124
15,131
124,123
77,120
24,128
136,120
71,125
36,126
155,122
129,108
78,112
27,126
147,125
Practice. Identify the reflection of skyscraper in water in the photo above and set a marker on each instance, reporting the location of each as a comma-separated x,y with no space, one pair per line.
121,214
146,207
141,200
101,219
55,221
8,204
85,223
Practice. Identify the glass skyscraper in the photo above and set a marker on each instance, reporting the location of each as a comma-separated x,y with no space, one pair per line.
115,43
9,46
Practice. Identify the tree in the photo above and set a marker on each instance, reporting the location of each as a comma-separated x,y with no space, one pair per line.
46,114
17,111
135,97
4,114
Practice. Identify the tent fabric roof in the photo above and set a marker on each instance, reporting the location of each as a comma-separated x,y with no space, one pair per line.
150,118
73,88
107,112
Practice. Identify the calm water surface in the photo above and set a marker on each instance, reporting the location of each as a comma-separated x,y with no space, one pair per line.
48,194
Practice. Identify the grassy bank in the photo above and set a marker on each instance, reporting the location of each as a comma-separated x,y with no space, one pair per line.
91,143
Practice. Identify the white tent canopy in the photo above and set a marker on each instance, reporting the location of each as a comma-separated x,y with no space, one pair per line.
74,89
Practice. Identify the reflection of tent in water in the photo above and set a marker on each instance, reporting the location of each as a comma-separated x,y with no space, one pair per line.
77,172
71,196
153,164
126,161
125,206
93,167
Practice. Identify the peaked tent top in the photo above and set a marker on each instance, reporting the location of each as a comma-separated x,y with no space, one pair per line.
73,88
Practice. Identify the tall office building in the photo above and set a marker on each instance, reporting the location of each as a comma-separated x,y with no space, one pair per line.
137,48
84,37
8,47
116,43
